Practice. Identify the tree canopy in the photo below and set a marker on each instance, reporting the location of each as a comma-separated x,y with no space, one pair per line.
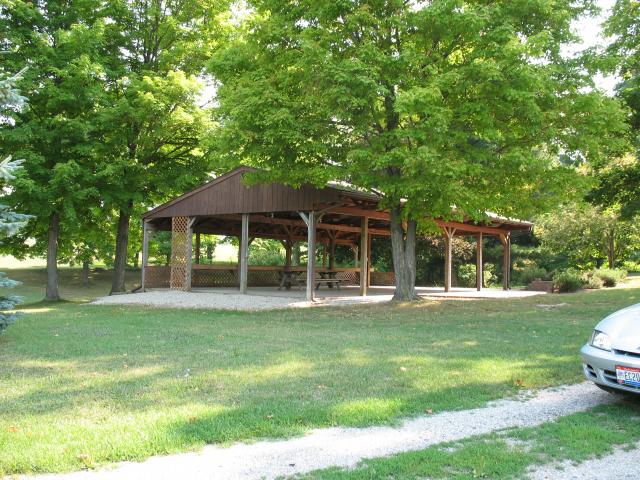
448,108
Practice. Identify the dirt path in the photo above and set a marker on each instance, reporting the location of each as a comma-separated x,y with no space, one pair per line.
345,447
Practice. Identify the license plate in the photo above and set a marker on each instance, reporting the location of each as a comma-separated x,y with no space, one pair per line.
628,375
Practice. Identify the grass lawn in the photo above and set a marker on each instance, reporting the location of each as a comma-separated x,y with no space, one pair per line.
83,385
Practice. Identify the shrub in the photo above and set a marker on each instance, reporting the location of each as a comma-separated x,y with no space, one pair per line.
631,266
467,275
592,281
568,281
610,277
489,274
529,273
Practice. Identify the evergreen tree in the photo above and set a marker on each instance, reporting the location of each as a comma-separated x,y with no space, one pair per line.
10,221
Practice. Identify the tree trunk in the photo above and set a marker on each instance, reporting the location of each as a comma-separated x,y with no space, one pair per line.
403,249
122,242
85,273
52,258
136,259
611,248
296,253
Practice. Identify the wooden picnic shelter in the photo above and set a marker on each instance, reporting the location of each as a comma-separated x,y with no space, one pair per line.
330,216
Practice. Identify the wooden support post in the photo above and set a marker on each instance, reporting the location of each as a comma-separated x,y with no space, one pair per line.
356,255
448,253
310,220
369,260
145,253
189,253
505,239
244,253
479,263
198,248
364,256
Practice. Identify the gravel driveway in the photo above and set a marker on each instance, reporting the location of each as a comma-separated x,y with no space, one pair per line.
345,447
218,301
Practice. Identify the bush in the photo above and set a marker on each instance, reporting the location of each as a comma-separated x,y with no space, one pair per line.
592,281
631,266
489,274
568,281
610,277
529,273
467,275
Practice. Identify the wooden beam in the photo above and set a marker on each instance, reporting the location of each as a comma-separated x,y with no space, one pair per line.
272,236
285,223
362,212
364,257
479,263
244,253
461,228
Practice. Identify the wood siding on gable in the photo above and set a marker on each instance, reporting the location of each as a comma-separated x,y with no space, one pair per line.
231,196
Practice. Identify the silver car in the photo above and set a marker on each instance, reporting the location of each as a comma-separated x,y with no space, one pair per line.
611,359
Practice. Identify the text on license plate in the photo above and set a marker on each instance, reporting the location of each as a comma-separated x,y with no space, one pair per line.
628,375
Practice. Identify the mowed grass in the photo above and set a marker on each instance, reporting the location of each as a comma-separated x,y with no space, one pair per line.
83,385
509,454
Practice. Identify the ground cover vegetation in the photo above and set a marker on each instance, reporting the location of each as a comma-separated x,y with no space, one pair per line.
84,384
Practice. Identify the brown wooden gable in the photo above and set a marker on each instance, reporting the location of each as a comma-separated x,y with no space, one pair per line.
228,194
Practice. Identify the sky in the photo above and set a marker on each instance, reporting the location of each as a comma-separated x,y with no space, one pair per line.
591,32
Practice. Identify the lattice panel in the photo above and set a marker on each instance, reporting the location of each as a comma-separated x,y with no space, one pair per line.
349,278
214,278
383,278
180,253
263,278
204,278
157,276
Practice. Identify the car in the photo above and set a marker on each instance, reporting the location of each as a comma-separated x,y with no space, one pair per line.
611,358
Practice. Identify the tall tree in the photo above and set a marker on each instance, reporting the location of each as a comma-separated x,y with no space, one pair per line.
154,124
449,108
588,235
619,182
58,40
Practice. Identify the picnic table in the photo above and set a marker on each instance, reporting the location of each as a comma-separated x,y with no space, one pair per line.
328,278
296,277
289,278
